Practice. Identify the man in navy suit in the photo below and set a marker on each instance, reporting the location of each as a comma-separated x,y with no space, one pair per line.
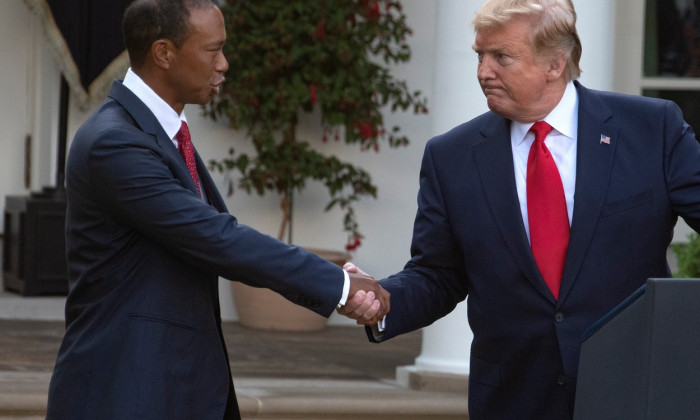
627,168
148,235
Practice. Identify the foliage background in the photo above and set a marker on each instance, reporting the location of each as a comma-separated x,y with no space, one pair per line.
688,257
287,57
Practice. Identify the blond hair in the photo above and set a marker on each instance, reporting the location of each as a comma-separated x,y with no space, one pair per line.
554,26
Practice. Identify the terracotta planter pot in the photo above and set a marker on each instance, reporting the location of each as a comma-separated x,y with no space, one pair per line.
264,309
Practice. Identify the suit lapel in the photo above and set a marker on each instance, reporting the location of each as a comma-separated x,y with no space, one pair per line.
208,185
143,117
149,124
594,163
494,160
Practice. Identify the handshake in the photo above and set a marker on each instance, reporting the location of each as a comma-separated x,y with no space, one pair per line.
368,302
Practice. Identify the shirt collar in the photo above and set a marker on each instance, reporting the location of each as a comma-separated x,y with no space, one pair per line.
563,118
166,116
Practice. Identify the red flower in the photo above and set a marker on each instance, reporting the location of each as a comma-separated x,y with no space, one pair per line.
313,94
372,10
353,243
321,30
365,131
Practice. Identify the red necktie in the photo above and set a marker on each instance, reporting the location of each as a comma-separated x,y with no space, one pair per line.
184,146
546,210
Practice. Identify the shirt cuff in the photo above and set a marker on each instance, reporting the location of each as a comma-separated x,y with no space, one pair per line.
346,290
376,331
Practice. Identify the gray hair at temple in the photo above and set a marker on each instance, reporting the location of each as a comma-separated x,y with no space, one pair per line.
554,26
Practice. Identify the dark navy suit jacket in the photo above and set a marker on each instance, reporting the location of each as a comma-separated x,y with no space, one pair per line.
469,240
143,329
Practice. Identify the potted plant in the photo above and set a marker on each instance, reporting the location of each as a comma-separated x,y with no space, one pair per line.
294,56
688,255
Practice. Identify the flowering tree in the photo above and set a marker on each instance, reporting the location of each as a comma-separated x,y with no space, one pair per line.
290,56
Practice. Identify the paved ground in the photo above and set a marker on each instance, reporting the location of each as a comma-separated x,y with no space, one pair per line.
334,353
330,374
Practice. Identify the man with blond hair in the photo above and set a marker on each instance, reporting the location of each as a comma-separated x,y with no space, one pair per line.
545,212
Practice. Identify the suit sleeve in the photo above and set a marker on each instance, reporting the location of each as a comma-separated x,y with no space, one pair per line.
132,179
434,281
682,166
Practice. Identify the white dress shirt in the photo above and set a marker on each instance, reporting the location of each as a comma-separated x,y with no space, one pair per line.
561,143
164,113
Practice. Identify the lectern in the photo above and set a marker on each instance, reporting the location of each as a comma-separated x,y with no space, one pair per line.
642,360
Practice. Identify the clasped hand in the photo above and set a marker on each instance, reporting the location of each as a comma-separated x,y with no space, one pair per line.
368,302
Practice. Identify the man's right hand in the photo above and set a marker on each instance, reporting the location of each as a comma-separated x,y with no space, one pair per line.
368,301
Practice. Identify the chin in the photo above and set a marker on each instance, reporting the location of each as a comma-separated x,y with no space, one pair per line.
205,98
493,106
498,108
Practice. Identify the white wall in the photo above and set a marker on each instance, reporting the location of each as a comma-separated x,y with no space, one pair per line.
29,86
14,112
596,30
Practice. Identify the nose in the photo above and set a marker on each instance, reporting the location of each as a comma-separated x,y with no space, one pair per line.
483,70
221,62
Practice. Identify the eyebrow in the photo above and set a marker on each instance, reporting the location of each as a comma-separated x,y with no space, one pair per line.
217,44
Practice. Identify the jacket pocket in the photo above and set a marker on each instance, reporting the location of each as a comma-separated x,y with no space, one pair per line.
625,204
484,372
161,320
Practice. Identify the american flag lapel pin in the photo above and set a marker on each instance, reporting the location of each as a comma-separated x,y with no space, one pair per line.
604,139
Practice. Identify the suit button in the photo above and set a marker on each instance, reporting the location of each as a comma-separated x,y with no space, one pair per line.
561,380
559,317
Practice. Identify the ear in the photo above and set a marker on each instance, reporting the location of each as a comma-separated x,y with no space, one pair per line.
162,53
557,65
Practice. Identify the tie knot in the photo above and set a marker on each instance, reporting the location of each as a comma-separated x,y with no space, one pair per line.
541,129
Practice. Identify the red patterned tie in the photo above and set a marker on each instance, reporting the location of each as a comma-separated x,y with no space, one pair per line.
184,145
546,209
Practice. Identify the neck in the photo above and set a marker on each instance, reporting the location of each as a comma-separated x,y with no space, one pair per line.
159,84
546,103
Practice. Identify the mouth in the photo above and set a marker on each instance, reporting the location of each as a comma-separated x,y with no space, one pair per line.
491,91
216,87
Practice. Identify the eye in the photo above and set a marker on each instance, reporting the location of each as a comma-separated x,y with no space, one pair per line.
216,48
504,59
480,57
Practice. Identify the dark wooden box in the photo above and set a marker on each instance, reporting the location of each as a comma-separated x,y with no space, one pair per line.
34,247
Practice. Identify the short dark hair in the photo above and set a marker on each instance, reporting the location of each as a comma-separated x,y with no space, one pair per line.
146,21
